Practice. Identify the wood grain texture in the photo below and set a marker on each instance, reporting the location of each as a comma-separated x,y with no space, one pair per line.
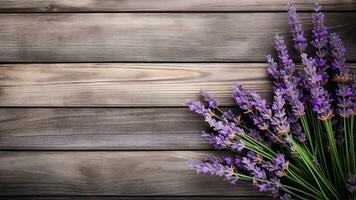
100,129
164,5
162,173
153,37
124,84
140,198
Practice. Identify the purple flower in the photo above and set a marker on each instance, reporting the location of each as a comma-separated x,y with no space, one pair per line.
320,98
344,100
351,183
272,69
237,145
197,107
354,95
261,106
297,132
275,185
293,97
279,165
216,166
279,119
286,197
315,160
242,97
319,36
212,103
253,105
263,187
255,134
261,135
229,115
321,103
287,67
225,136
337,50
300,43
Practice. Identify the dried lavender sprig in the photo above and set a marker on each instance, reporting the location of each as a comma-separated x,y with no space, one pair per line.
286,65
212,102
353,83
320,98
344,101
337,51
253,105
351,183
319,36
261,106
279,120
284,78
219,166
286,197
296,28
272,69
342,77
226,132
251,167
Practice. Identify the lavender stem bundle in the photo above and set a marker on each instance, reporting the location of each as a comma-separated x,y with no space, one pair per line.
302,145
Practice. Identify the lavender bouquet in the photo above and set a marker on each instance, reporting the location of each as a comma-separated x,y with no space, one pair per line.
302,145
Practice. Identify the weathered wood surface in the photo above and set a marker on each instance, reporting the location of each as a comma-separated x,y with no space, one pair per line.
140,198
165,5
134,143
100,129
162,173
153,37
124,84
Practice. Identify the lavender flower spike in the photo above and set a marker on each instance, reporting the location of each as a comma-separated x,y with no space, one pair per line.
253,105
351,183
272,69
216,166
320,97
209,99
344,100
319,35
287,66
242,98
279,119
338,51
286,197
300,43
353,98
294,99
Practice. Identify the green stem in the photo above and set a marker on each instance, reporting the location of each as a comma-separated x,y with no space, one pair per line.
352,145
347,163
314,171
307,132
335,156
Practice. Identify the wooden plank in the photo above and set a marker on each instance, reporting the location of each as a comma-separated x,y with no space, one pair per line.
162,173
124,84
153,37
100,129
140,198
164,5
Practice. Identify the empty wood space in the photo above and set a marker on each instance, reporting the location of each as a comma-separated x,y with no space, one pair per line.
153,37
124,85
166,5
100,129
110,173
92,92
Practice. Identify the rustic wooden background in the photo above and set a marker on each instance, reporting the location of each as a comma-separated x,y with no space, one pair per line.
92,91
